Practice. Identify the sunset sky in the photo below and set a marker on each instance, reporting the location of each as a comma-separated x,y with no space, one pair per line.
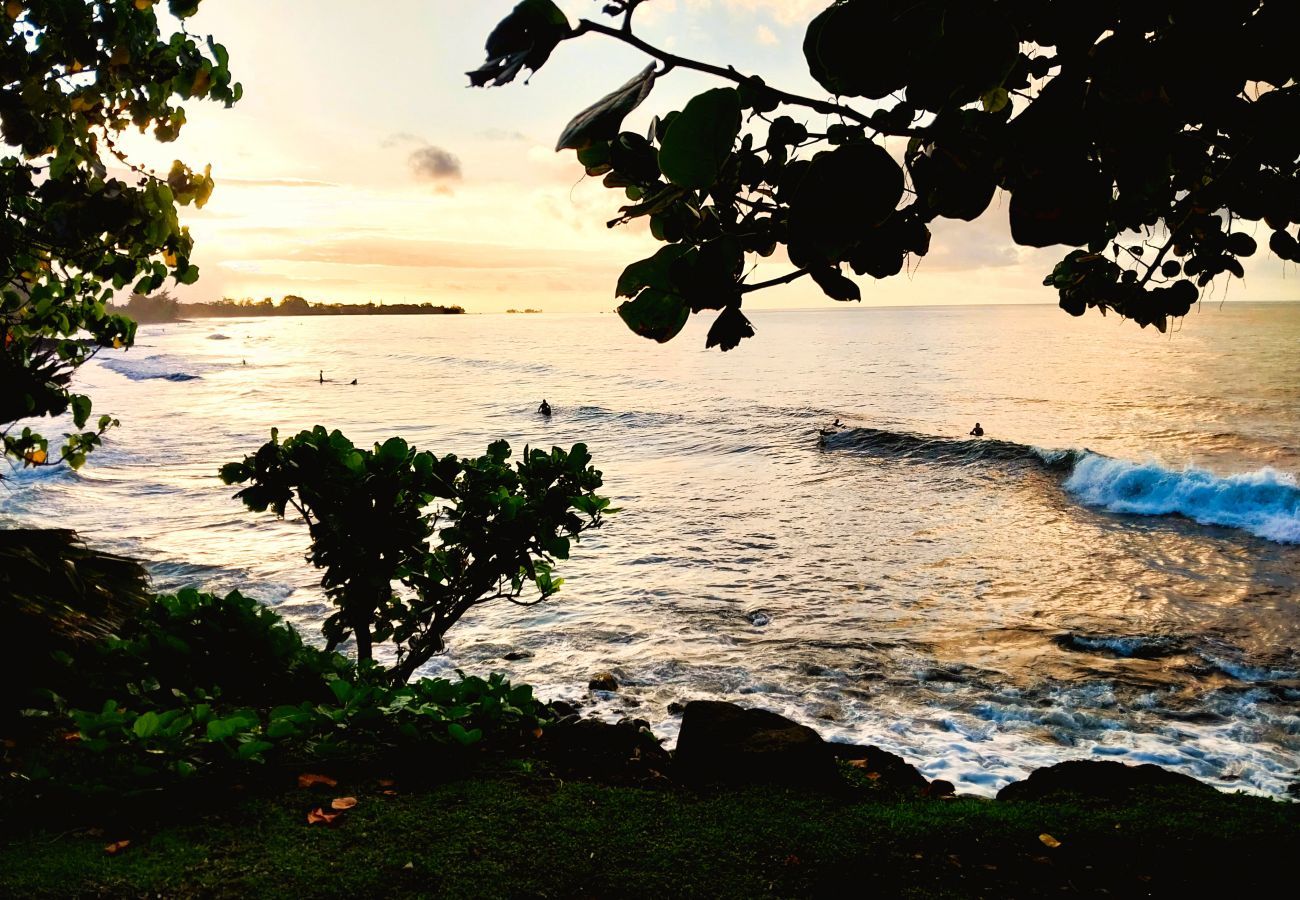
359,166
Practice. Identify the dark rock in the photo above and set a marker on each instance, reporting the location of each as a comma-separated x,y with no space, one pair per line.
515,655
590,748
1100,779
758,618
562,709
722,742
896,774
603,681
676,708
940,788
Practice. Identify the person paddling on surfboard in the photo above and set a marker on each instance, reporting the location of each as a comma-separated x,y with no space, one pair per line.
977,431
545,408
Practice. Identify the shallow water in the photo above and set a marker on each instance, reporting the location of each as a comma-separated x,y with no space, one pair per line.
1114,571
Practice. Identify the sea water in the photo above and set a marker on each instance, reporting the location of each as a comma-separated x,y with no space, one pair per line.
1113,571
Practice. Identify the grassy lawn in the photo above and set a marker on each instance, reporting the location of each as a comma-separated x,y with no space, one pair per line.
507,835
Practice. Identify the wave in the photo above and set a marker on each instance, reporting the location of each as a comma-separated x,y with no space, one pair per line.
1265,502
148,368
926,448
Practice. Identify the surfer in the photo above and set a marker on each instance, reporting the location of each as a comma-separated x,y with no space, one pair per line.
837,423
545,408
322,376
977,431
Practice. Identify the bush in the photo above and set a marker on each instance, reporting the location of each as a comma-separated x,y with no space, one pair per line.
451,533
202,683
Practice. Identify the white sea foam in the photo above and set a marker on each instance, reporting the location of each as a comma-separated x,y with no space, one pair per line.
147,368
1265,502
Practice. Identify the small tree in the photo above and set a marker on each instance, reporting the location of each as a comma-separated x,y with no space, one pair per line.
1139,133
78,219
454,532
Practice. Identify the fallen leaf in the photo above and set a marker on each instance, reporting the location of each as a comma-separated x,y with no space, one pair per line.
318,816
116,847
1049,841
537,733
72,735
389,793
343,802
386,782
409,865
306,780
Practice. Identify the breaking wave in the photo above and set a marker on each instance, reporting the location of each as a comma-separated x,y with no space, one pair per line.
1265,502
148,368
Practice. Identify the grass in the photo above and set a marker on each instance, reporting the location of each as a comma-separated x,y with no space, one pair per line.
512,835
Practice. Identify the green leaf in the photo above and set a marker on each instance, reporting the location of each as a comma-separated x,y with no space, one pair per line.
464,737
146,726
700,139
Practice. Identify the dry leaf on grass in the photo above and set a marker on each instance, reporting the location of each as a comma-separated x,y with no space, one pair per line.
116,847
1049,841
306,780
343,802
318,816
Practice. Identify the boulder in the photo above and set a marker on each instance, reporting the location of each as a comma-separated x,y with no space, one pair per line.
590,748
722,742
603,681
1098,779
896,775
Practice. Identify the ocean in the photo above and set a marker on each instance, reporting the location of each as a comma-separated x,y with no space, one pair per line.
1113,571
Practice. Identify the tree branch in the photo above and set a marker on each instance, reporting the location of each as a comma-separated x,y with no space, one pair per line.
784,279
671,60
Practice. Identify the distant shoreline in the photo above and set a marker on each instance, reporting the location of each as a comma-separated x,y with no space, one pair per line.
163,313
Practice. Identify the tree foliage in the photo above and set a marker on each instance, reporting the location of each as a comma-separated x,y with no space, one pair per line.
453,532
80,219
1141,134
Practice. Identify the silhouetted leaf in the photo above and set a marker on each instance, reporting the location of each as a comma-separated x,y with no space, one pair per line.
655,314
526,37
603,119
700,139
729,329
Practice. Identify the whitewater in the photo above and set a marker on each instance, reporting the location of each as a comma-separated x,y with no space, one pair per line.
1113,571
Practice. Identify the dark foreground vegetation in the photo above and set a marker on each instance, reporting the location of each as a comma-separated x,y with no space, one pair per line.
194,745
500,833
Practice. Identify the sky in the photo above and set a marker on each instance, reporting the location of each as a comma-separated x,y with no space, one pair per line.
360,166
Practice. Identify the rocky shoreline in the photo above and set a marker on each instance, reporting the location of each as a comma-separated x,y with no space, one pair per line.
721,743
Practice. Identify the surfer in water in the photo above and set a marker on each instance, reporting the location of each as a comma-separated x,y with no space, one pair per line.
545,409
322,376
977,431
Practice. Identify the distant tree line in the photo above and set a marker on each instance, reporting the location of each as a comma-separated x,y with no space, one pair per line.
162,307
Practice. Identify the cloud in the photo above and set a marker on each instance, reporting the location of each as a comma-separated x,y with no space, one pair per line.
432,163
401,137
431,254
766,36
278,182
502,134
